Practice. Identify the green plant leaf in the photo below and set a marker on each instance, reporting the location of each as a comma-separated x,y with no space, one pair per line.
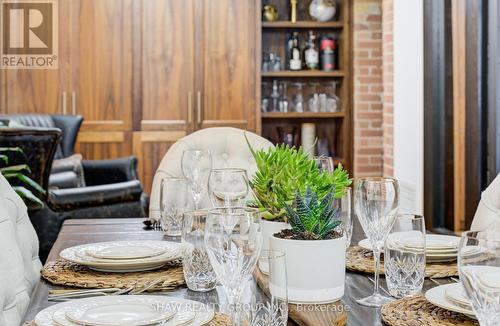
21,168
29,198
25,180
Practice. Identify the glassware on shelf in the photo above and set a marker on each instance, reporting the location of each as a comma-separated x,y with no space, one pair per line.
287,135
266,97
404,256
332,102
274,98
196,165
173,203
298,103
323,148
376,202
228,187
271,62
313,101
283,102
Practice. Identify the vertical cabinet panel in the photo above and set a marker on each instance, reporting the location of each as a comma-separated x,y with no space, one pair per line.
101,62
167,64
229,64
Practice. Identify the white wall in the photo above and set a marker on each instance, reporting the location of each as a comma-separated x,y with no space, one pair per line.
408,103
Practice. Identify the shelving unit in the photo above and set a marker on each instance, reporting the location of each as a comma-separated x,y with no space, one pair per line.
335,127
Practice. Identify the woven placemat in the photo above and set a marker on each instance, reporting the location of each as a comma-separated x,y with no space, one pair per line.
359,260
219,320
63,272
417,311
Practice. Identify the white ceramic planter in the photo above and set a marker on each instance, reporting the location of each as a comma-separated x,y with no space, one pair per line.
315,268
269,228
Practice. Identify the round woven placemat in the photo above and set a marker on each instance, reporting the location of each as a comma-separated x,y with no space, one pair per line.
359,260
63,272
417,311
219,320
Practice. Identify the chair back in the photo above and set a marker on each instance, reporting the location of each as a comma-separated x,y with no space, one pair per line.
19,262
488,210
228,147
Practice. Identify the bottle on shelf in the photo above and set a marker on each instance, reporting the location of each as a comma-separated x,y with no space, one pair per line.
311,55
275,95
283,102
295,53
327,53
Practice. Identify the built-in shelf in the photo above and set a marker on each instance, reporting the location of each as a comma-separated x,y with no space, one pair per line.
302,115
303,73
302,24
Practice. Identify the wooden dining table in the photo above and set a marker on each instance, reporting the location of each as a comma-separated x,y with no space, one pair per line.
81,231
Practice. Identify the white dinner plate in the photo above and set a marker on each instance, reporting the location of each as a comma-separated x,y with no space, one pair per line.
188,312
126,252
437,296
456,294
78,255
435,244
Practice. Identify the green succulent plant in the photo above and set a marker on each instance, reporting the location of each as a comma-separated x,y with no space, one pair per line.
17,176
312,217
283,170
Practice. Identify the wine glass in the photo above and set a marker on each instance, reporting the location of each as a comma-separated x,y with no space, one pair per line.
479,270
325,163
376,203
196,165
233,238
173,203
228,187
344,205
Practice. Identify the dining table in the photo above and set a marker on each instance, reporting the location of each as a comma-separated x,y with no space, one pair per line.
82,231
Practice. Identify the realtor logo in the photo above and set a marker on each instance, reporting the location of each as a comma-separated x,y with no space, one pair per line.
29,34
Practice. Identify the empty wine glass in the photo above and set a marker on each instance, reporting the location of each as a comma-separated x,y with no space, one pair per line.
228,187
325,163
376,203
404,256
344,205
479,270
196,165
233,238
173,203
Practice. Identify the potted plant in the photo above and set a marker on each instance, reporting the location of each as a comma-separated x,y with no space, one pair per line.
280,172
314,249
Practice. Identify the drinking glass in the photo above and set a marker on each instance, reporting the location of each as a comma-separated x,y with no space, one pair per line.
198,271
173,203
344,205
196,166
233,238
228,187
376,204
274,311
404,256
479,270
325,163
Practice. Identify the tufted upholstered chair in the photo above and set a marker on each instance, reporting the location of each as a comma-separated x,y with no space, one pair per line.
19,263
488,210
228,147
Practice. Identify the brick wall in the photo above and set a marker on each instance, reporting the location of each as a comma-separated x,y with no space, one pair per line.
368,87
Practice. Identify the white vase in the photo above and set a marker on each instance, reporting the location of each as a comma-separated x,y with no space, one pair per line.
315,269
268,229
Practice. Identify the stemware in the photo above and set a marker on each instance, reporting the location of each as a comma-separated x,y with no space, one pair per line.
344,205
274,311
228,187
404,256
325,163
376,204
196,166
479,270
233,238
173,203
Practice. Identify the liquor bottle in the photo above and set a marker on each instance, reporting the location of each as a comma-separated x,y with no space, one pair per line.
327,53
295,55
311,55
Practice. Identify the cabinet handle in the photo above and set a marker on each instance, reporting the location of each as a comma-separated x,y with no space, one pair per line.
64,102
198,107
190,106
73,103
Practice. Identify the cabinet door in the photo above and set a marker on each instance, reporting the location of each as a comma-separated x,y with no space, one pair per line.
167,65
230,52
43,91
101,63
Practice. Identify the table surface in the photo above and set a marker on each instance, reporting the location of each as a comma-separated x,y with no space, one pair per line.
81,231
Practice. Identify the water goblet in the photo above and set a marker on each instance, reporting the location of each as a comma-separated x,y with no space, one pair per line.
233,239
228,187
376,204
196,165
198,271
173,203
479,270
404,256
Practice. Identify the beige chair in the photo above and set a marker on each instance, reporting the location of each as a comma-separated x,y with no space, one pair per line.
227,146
19,263
488,210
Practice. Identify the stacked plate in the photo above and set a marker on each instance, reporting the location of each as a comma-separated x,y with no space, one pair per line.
439,248
137,310
451,297
123,256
